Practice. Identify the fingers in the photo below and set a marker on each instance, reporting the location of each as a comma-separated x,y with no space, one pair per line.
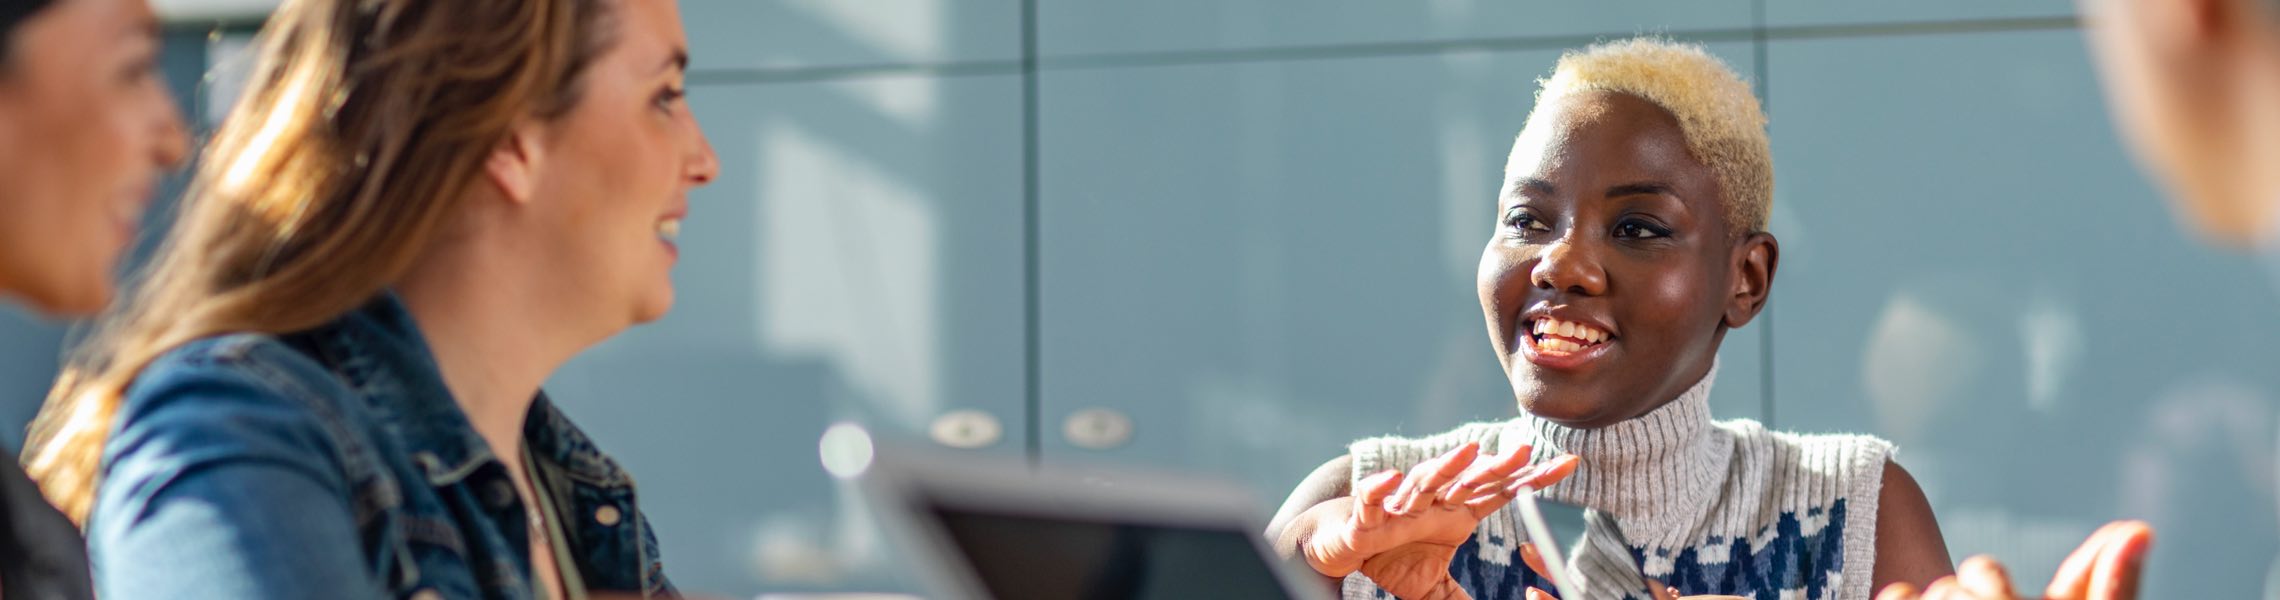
2072,579
1487,475
2124,560
1662,592
2107,565
1551,472
1947,588
1899,591
1984,578
1535,476
1535,561
1484,504
1532,478
1536,594
1370,498
1427,478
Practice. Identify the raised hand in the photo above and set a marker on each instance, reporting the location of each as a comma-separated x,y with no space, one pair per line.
1403,528
2106,567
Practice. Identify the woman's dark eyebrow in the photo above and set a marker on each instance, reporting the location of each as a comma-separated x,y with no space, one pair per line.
1641,188
1532,187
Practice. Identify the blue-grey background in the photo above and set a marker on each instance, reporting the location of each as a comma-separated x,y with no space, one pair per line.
1250,226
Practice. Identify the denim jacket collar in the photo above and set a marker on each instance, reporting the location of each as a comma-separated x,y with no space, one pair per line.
381,353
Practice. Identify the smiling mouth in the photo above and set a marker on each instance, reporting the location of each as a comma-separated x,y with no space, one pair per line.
669,230
1554,337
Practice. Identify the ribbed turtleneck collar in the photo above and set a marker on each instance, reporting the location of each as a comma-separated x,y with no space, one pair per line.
1651,472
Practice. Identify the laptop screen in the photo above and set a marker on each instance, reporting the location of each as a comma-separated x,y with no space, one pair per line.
1036,557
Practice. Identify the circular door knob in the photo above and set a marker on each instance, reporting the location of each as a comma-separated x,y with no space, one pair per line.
968,429
1097,428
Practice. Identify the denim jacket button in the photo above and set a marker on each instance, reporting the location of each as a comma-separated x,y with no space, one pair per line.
426,594
607,515
500,495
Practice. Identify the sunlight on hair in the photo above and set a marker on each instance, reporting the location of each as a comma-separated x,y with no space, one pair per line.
273,126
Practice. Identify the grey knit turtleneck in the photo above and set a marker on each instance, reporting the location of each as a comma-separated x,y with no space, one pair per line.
1678,481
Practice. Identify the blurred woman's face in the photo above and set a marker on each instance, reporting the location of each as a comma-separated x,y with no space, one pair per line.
1605,283
86,131
2175,100
621,165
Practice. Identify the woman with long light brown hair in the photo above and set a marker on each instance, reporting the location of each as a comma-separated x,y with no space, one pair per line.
326,383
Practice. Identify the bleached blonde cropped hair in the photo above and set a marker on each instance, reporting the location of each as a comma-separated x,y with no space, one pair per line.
1716,111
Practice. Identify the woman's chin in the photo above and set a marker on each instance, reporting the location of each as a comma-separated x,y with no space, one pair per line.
654,306
74,296
1579,413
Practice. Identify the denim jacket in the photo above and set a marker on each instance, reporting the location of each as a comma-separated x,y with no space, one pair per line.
333,463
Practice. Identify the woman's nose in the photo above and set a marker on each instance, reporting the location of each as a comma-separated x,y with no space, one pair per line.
173,143
704,167
1567,266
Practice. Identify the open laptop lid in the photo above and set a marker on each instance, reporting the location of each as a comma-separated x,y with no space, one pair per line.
983,527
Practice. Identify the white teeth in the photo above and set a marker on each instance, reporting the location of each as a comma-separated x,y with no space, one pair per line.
669,229
1567,329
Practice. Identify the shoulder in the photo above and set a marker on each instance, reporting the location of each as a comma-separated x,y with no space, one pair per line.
242,359
1909,547
231,397
234,470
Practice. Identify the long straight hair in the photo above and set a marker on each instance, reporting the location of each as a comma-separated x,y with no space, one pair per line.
362,124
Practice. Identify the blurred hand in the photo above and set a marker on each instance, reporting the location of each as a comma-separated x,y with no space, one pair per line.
1404,528
2106,567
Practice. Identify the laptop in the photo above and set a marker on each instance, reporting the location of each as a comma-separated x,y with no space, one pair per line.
982,527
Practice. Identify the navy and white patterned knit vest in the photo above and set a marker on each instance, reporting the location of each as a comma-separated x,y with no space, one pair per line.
1710,507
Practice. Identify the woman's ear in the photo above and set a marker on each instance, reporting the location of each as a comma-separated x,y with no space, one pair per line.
514,165
1755,257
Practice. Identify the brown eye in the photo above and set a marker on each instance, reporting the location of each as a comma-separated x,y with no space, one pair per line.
666,97
1522,220
1636,229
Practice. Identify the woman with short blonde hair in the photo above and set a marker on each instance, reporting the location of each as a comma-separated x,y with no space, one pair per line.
1629,238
